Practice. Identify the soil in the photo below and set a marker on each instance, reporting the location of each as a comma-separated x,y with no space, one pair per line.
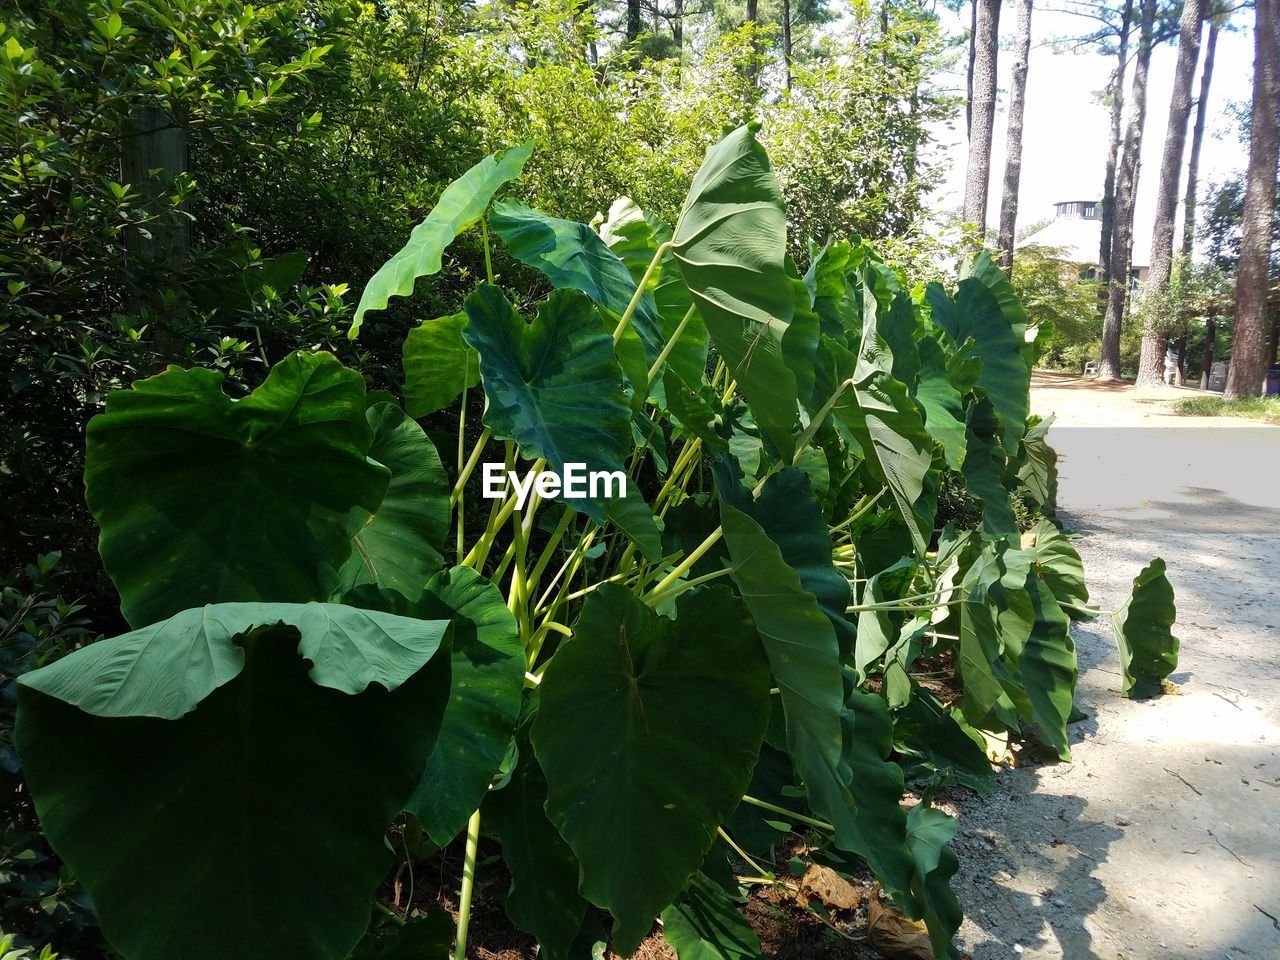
1161,838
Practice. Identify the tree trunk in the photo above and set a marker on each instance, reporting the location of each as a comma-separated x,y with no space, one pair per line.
1180,371
786,39
1113,151
677,26
1155,338
978,174
1248,345
968,97
633,20
1013,149
1197,141
1126,189
1210,334
753,11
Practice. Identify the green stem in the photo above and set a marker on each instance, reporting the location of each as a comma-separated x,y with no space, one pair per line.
549,550
641,287
654,599
687,564
465,473
488,259
859,511
461,501
746,857
468,884
670,345
765,805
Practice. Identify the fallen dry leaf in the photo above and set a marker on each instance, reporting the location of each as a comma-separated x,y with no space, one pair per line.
829,887
895,935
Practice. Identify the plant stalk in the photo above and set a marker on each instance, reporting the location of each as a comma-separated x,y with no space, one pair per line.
641,287
468,884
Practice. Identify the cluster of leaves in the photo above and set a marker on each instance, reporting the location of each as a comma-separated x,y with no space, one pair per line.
305,651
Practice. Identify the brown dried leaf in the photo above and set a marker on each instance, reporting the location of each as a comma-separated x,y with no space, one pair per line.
895,935
831,888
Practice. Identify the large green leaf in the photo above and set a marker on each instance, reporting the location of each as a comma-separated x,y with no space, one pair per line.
1061,568
400,548
730,242
929,830
204,499
941,399
460,206
984,470
926,731
804,654
791,517
886,423
484,700
1144,633
705,924
1037,464
555,388
438,365
1047,667
254,826
573,257
166,669
648,743
976,313
543,899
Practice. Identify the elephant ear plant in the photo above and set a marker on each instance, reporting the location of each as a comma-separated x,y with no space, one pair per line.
638,696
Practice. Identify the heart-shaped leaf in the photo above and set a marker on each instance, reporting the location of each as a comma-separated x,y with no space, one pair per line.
634,795
555,387
202,499
267,804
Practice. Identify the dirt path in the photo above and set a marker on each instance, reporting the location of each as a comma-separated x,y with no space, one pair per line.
1161,839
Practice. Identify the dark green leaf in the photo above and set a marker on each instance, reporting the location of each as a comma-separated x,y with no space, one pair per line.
438,365
543,899
1060,566
400,548
256,499
704,924
267,805
636,797
1144,633
484,699
555,388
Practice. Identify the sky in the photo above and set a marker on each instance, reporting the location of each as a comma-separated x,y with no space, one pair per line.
1065,129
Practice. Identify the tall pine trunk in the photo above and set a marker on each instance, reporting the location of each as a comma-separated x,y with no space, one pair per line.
1197,141
1126,189
633,20
978,175
1155,338
1013,149
1113,149
1249,343
968,97
1193,179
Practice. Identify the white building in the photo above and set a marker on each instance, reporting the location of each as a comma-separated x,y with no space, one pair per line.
1076,231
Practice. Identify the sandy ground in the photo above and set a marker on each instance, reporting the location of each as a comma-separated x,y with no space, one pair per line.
1161,839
